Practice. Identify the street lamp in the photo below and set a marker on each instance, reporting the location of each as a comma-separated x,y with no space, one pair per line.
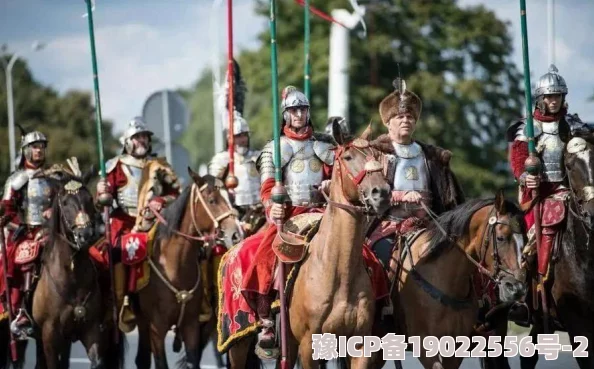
11,142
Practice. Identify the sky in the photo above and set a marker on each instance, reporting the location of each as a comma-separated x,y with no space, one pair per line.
147,45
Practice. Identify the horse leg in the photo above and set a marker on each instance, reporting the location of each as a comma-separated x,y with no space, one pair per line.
65,355
95,350
529,362
242,355
191,336
451,362
51,344
158,347
306,353
143,353
41,363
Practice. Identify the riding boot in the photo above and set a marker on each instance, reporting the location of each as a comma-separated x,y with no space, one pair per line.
21,325
267,337
546,248
126,315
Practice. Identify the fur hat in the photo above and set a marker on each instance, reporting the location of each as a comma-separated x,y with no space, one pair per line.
400,101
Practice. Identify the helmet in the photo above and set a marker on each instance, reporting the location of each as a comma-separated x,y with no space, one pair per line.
135,126
26,141
551,83
344,125
240,125
292,97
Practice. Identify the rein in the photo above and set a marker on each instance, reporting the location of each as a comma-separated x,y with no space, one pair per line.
196,195
372,165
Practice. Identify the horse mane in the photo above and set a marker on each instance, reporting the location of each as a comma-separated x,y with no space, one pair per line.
455,223
174,212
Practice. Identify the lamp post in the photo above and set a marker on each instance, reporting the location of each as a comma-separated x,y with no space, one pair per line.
11,141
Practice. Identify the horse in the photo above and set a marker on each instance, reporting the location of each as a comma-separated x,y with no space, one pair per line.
569,284
173,295
69,300
341,300
436,269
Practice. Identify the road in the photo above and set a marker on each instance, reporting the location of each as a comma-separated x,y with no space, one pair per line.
79,359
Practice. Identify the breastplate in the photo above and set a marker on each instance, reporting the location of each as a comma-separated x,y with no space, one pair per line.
302,174
128,195
411,174
247,191
37,199
550,147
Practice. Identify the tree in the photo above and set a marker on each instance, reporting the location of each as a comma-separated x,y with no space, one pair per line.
458,60
68,121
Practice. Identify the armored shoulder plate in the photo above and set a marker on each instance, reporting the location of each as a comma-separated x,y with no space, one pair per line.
324,151
577,127
218,164
18,179
111,164
324,138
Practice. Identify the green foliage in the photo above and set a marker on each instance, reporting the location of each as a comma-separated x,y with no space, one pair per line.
68,121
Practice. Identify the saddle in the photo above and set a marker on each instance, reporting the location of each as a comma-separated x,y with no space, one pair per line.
290,243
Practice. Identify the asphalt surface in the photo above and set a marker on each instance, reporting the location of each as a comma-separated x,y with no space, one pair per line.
79,359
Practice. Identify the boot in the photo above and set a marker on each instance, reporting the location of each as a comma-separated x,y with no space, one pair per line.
546,248
21,325
266,347
127,319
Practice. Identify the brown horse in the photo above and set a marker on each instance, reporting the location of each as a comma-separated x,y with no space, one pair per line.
571,276
332,291
434,294
69,300
174,292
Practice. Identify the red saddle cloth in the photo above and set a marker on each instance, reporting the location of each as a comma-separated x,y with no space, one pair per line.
248,268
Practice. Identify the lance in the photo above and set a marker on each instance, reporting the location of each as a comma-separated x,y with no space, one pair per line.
231,181
278,193
307,70
533,163
105,199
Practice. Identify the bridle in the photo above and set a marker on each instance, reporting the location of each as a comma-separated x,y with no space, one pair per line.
197,197
371,165
82,219
488,234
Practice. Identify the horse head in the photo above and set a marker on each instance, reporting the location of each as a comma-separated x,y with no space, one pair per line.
503,233
359,174
579,162
211,211
74,211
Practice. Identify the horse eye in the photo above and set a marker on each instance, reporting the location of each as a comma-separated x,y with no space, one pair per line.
500,239
348,157
212,201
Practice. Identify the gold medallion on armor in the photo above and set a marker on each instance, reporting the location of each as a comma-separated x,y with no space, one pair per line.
297,166
411,173
315,165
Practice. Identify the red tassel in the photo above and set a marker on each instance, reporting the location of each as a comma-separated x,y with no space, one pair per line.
320,13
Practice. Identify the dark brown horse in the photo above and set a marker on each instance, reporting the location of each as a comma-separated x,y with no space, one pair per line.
571,276
71,299
332,291
199,217
434,294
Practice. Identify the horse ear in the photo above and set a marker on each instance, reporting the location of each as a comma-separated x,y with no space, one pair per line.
88,175
196,177
337,133
366,133
500,202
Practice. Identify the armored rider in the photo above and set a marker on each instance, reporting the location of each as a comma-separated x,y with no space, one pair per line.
306,159
26,204
246,196
418,173
122,184
553,128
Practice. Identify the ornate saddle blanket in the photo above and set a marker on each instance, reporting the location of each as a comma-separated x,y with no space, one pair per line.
137,247
236,318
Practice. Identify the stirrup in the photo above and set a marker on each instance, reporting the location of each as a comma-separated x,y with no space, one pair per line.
269,353
21,333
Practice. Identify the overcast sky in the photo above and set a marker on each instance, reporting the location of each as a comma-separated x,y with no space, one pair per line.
147,45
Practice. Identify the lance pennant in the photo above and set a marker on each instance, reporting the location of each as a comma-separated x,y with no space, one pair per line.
320,13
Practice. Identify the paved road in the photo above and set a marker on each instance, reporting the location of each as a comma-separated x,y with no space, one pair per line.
79,359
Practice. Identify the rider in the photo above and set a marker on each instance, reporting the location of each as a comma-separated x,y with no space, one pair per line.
418,173
247,193
306,160
124,173
27,204
552,129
